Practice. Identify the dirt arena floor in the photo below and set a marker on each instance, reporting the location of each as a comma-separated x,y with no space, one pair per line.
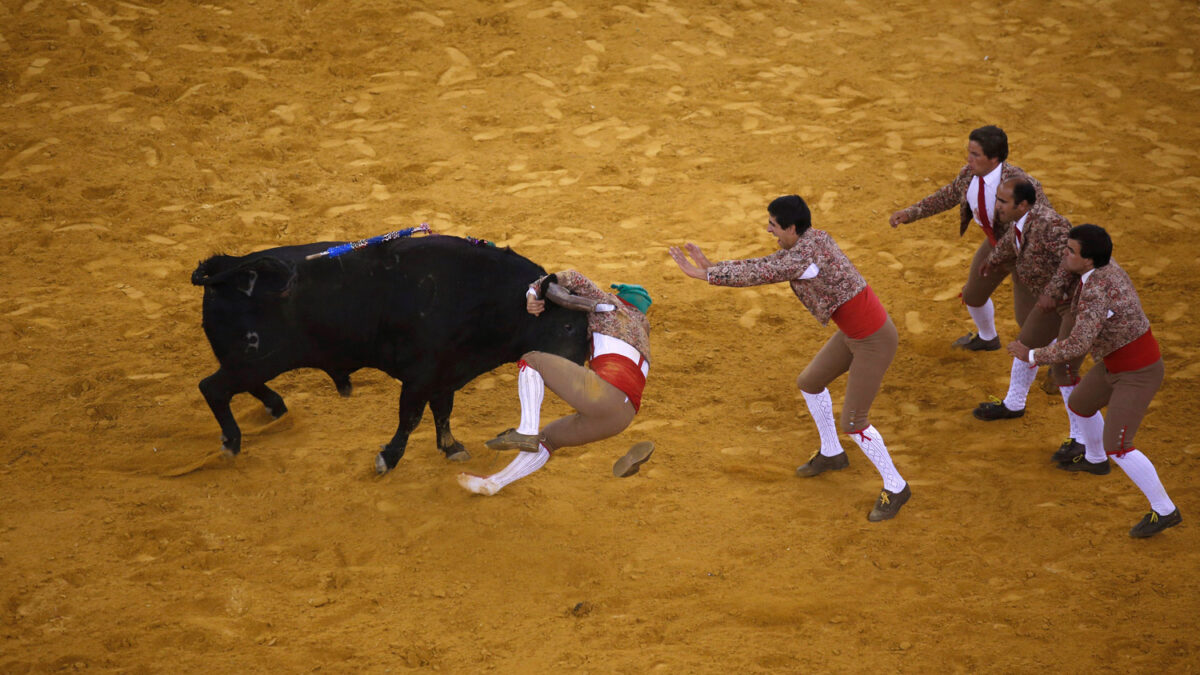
137,138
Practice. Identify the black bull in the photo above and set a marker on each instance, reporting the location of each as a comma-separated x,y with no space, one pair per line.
434,313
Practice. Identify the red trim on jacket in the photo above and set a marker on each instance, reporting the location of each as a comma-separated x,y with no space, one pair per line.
1135,355
623,374
860,316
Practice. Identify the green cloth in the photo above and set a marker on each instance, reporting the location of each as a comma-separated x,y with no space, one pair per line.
634,295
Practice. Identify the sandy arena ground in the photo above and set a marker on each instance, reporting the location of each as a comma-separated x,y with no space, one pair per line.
137,138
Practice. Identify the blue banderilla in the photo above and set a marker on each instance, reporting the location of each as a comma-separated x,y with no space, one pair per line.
363,243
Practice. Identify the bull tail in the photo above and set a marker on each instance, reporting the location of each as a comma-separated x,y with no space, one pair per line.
265,274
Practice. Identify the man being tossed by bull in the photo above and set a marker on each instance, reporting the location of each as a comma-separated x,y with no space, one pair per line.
606,393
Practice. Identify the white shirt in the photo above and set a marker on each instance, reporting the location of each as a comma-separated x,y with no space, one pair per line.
991,183
1020,225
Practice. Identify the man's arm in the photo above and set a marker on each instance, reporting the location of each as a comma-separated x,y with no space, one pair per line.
943,199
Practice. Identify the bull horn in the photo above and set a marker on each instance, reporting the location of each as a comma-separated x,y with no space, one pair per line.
563,297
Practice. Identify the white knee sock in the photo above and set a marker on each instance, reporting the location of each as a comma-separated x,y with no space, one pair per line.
872,446
532,390
1092,430
522,465
1139,469
820,406
1072,418
1020,378
984,317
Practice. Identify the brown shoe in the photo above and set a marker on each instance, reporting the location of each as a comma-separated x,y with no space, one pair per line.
632,462
973,343
888,504
511,440
819,464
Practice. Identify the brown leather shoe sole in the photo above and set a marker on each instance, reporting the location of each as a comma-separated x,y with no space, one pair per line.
632,462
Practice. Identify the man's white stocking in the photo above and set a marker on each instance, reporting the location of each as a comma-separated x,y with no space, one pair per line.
1092,430
820,406
522,465
984,317
1139,469
872,446
1020,378
531,389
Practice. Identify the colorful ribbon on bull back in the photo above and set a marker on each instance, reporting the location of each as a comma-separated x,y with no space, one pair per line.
341,249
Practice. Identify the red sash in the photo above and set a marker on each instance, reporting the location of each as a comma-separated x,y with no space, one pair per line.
1135,355
621,373
860,316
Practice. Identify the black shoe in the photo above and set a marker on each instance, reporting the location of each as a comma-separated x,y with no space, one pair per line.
1153,523
995,410
1069,450
1080,463
972,342
888,504
818,464
632,462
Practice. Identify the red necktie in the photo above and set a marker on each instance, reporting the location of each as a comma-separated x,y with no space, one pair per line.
1018,233
983,216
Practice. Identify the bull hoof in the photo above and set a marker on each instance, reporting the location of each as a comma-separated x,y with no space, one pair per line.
381,466
346,390
230,449
459,454
277,415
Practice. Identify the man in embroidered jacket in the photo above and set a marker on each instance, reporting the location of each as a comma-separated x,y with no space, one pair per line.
828,284
1033,246
974,192
606,394
1110,322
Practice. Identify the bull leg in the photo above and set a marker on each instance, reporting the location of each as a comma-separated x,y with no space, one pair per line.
412,406
341,380
440,405
272,400
218,391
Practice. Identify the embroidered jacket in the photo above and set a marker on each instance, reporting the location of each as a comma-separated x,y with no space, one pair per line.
1040,253
955,192
623,323
836,279
1108,316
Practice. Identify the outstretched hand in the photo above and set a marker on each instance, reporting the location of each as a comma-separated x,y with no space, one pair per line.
697,266
898,218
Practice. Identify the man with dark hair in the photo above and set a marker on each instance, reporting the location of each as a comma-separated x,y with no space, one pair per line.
828,284
974,191
1033,246
1110,322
